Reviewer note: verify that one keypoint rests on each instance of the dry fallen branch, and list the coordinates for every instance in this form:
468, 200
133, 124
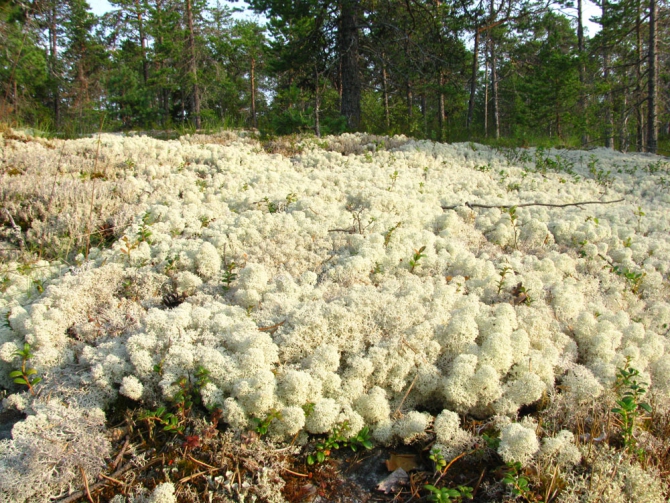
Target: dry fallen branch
272, 328
98, 485
522, 205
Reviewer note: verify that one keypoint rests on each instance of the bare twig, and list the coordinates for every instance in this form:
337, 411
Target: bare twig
16, 229
88, 491
197, 474
98, 485
351, 230
272, 328
111, 479
306, 475
522, 205
119, 456
202, 463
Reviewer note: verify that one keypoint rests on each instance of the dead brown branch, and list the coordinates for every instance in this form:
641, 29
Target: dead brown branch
522, 205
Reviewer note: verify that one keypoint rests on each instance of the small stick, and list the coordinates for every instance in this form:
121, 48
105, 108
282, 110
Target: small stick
406, 393
116, 481
446, 468
76, 495
273, 328
196, 475
202, 463
522, 205
88, 491
119, 456
351, 230
309, 476
481, 476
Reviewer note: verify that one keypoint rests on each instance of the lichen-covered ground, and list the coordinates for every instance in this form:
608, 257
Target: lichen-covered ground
181, 299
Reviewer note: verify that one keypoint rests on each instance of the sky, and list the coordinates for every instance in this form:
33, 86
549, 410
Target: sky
99, 7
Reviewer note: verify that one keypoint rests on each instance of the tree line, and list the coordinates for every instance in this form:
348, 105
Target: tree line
438, 69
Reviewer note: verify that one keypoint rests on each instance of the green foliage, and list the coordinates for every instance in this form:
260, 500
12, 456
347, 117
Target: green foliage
513, 217
394, 178
639, 214
448, 495
261, 425
170, 422
633, 278
501, 282
25, 375
416, 257
228, 275
183, 400
337, 439
602, 177
389, 234
436, 457
144, 233
519, 483
629, 405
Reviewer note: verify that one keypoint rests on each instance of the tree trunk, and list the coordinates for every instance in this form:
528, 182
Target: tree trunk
317, 99
609, 127
639, 114
424, 114
143, 42
652, 126
440, 112
193, 64
350, 104
387, 113
410, 101
494, 86
486, 91
53, 57
580, 49
473, 80
253, 93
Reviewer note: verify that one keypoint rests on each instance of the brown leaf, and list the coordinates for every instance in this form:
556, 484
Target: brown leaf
407, 462
394, 481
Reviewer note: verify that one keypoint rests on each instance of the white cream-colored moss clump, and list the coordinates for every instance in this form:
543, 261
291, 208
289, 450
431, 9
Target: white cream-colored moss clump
296, 292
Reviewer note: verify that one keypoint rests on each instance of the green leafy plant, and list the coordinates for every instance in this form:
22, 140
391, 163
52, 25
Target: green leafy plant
418, 255
261, 425
361, 439
518, 482
436, 457
394, 178
513, 217
448, 495
168, 420
629, 405
337, 439
602, 177
144, 233
272, 207
639, 214
4, 283
389, 234
503, 273
228, 275
25, 375
633, 278
291, 198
